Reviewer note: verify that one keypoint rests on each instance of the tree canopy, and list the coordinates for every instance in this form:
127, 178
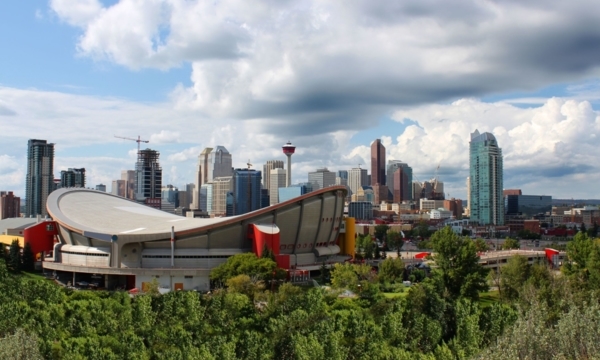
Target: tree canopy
458, 264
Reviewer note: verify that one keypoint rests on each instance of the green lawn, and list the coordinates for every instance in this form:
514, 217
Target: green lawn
395, 295
488, 298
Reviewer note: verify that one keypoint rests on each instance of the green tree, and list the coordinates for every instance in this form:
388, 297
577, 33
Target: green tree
365, 246
513, 276
380, 231
422, 230
510, 243
245, 264
15, 261
481, 245
28, 258
582, 228
267, 253
243, 284
391, 270
578, 251
394, 241
20, 346
458, 265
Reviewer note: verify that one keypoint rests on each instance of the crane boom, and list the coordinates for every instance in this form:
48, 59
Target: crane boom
138, 140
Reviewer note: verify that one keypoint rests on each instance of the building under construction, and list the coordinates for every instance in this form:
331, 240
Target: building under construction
431, 190
148, 178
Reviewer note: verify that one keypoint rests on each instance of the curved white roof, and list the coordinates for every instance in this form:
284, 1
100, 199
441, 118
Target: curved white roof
99, 212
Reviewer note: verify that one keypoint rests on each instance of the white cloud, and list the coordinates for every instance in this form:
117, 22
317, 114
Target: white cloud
165, 137
77, 13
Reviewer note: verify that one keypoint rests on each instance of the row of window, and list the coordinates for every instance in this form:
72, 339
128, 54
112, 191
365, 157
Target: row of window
84, 254
186, 256
305, 245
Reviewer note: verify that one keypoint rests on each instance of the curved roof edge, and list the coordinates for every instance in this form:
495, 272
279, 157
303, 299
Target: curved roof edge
54, 211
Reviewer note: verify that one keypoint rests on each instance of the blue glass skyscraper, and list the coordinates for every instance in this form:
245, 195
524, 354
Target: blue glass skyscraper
246, 190
486, 185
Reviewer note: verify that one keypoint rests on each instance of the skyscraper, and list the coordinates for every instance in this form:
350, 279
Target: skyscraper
486, 179
128, 176
221, 186
200, 177
278, 179
212, 163
40, 176
406, 180
246, 190
378, 171
270, 165
357, 177
72, 178
321, 178
148, 178
377, 163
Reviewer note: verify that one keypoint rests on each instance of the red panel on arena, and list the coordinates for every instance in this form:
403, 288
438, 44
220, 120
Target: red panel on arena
40, 236
264, 235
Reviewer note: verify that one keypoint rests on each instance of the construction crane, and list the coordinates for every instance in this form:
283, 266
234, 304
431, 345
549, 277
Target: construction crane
249, 201
138, 140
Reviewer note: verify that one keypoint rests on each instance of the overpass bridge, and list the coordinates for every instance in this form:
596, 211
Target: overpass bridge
489, 259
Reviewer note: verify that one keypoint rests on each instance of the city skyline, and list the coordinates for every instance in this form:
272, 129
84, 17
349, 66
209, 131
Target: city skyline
421, 92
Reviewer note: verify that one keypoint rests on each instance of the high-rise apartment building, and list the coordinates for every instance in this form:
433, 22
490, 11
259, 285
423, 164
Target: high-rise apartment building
72, 178
357, 178
10, 205
246, 190
486, 177
270, 165
278, 179
321, 178
40, 176
148, 178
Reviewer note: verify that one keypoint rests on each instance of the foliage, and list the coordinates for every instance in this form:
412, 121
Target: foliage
243, 284
528, 235
513, 276
458, 265
245, 264
481, 245
380, 231
365, 247
359, 278
394, 241
14, 257
422, 230
574, 336
391, 270
578, 251
20, 345
510, 243
28, 258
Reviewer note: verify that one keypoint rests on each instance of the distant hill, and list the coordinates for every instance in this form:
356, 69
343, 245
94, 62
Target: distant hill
576, 201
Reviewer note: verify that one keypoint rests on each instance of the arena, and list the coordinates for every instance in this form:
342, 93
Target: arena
112, 242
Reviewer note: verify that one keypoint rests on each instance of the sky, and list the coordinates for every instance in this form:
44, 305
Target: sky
329, 76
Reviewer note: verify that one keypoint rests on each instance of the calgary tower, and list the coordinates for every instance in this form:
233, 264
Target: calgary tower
288, 150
